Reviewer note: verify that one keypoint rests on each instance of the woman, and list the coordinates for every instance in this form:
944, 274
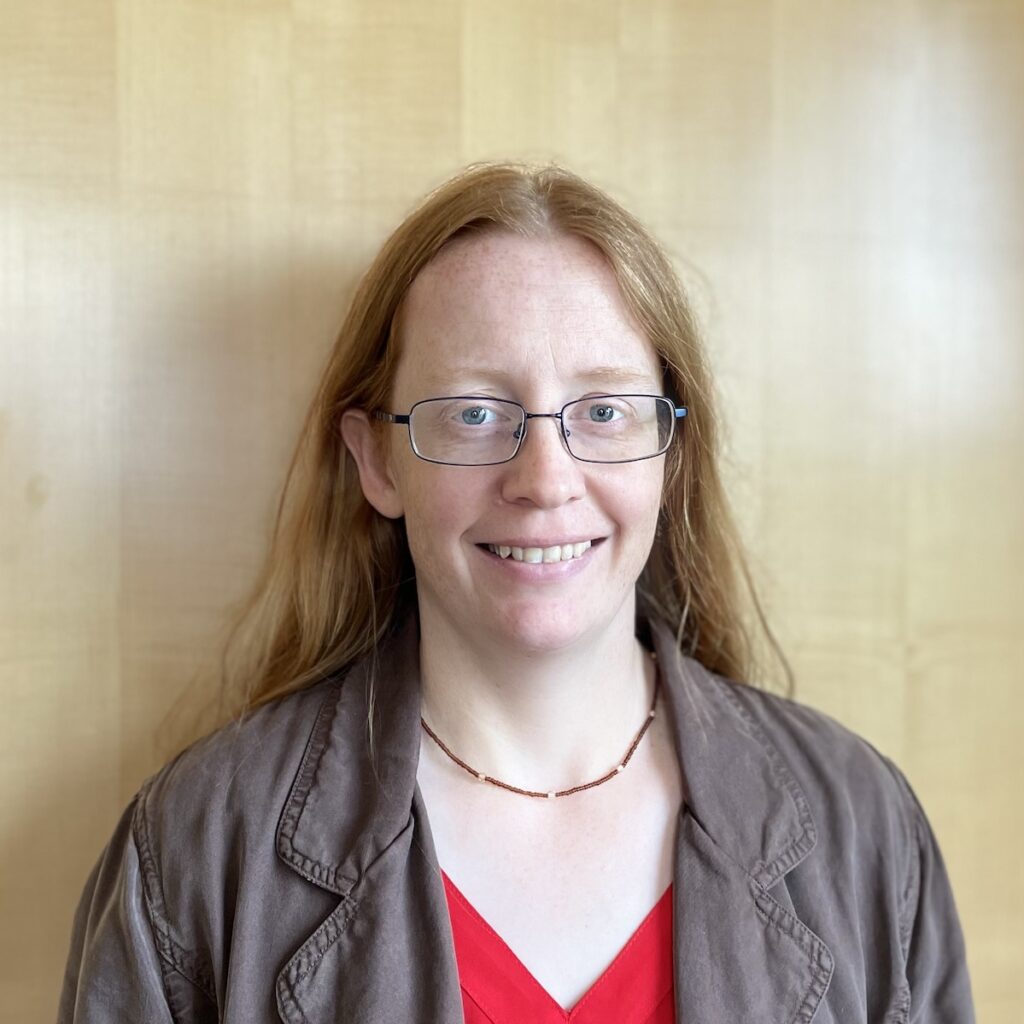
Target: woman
495, 766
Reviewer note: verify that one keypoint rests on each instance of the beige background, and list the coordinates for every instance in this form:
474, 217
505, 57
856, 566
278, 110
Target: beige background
187, 191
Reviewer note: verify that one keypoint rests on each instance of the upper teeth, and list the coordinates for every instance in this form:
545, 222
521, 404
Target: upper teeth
556, 553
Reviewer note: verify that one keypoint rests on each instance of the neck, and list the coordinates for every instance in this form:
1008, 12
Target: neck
539, 721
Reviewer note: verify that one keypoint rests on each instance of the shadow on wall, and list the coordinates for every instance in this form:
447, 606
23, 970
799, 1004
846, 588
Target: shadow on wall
211, 407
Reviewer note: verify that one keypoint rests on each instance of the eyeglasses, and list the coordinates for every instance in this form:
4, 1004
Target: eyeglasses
474, 430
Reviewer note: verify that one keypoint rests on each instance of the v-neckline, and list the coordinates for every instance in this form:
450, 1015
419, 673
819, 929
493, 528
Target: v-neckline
639, 977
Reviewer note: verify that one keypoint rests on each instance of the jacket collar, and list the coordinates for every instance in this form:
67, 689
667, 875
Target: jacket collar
344, 809
736, 783
745, 823
740, 950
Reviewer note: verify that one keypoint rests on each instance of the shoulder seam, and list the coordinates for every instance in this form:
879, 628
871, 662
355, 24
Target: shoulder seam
172, 953
912, 836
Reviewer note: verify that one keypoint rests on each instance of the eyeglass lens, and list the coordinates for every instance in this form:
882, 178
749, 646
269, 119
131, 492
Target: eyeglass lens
480, 431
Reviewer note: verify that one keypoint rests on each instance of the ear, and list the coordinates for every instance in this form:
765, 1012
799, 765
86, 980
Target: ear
375, 476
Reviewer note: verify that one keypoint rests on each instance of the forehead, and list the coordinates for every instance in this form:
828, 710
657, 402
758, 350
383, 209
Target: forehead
503, 306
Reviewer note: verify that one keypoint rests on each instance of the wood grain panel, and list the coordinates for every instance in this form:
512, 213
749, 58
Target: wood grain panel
188, 193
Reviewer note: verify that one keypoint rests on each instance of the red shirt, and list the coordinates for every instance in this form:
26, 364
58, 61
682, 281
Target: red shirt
636, 987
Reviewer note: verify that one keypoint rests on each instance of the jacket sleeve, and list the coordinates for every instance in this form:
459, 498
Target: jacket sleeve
936, 960
114, 971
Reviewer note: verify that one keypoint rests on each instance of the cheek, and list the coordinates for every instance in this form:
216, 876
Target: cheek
439, 509
637, 502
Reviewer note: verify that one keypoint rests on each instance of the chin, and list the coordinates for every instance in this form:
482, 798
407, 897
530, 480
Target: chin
540, 629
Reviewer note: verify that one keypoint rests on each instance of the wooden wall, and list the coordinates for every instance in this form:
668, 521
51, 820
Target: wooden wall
188, 191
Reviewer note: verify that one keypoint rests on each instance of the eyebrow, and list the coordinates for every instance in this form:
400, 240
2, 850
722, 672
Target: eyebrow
619, 376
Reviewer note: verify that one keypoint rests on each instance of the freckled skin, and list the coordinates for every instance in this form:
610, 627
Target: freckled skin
543, 312
532, 676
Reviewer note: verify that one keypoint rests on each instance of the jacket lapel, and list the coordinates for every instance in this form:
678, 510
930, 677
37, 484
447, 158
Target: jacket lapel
740, 953
360, 830
386, 954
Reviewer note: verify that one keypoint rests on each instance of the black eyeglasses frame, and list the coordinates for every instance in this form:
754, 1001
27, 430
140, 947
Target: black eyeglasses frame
679, 412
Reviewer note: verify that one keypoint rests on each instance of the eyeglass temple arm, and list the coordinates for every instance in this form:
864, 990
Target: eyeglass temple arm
391, 417
680, 411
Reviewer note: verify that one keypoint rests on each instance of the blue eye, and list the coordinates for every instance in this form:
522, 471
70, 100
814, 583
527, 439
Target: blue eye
476, 415
603, 413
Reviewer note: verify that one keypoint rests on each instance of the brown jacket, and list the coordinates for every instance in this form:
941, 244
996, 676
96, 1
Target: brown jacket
267, 874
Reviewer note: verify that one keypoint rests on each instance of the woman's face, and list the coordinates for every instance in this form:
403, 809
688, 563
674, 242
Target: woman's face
542, 322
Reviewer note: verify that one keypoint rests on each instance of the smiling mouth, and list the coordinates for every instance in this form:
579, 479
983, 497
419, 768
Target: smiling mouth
536, 556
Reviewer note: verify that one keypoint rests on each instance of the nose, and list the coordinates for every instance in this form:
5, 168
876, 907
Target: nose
543, 473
